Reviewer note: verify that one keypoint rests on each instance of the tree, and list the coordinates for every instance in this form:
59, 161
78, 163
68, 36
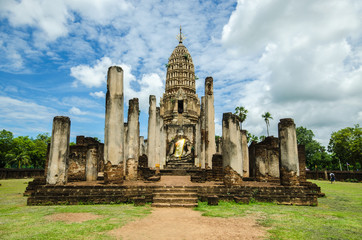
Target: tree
23, 152
20, 155
6, 144
38, 155
266, 117
345, 146
251, 138
315, 153
241, 112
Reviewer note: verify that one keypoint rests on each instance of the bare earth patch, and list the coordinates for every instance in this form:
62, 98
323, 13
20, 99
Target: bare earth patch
181, 223
72, 217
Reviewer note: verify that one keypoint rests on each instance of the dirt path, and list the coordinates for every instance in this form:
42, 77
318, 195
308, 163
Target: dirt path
181, 223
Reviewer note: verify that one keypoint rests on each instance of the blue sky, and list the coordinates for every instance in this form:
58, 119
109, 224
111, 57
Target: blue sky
298, 59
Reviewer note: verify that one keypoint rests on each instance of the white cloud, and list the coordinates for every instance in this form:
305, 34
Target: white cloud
14, 110
99, 94
96, 76
309, 66
91, 76
76, 111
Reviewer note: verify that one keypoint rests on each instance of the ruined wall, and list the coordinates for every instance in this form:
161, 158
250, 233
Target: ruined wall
78, 156
267, 159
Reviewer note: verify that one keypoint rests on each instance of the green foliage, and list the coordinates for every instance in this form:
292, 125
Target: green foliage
346, 146
167, 65
23, 152
251, 138
316, 154
6, 144
267, 116
241, 112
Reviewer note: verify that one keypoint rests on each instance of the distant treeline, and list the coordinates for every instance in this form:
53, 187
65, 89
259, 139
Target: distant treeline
23, 152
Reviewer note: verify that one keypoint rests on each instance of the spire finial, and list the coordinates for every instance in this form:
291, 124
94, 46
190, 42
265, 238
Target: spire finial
180, 37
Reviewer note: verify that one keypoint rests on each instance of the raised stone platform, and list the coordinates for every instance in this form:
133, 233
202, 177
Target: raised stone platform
99, 193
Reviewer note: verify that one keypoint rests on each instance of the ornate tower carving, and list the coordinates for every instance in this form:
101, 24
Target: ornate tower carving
180, 104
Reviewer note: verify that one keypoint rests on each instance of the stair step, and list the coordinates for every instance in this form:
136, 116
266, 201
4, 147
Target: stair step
175, 200
175, 195
187, 205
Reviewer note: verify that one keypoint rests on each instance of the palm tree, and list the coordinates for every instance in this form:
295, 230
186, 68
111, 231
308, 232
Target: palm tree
241, 112
266, 117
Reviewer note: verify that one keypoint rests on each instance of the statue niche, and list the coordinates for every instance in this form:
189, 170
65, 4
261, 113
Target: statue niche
180, 152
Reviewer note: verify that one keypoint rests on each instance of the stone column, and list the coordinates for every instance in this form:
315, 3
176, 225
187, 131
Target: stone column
151, 140
91, 172
125, 146
288, 156
132, 139
59, 151
231, 143
210, 145
162, 144
245, 153
114, 130
142, 147
302, 163
158, 140
203, 134
197, 144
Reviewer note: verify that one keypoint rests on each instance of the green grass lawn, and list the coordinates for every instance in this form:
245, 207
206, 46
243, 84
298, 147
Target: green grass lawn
18, 221
337, 216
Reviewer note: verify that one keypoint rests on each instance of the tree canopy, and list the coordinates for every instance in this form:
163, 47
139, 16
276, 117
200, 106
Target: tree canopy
241, 112
346, 147
316, 155
22, 152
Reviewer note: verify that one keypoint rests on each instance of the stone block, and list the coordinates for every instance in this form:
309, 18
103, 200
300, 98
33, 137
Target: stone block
231, 177
213, 200
113, 174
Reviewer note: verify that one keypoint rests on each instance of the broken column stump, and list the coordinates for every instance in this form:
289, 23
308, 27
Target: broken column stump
59, 151
113, 174
288, 157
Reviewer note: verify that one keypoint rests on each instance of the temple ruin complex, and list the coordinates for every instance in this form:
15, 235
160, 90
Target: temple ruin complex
180, 154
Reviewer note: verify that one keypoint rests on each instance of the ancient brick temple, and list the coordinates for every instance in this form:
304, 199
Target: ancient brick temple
179, 156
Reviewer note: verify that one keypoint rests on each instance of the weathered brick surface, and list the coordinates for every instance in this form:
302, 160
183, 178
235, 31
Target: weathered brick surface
113, 174
231, 177
302, 163
78, 155
217, 167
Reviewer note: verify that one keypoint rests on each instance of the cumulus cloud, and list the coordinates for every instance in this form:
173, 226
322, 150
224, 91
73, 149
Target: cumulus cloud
91, 76
76, 111
99, 94
96, 76
303, 52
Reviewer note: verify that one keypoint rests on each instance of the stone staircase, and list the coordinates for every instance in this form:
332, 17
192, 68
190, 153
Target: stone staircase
175, 196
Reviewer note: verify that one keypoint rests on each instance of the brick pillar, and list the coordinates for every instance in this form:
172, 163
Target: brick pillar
203, 134
91, 172
114, 129
59, 151
245, 152
210, 145
302, 163
288, 152
151, 140
132, 139
231, 147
